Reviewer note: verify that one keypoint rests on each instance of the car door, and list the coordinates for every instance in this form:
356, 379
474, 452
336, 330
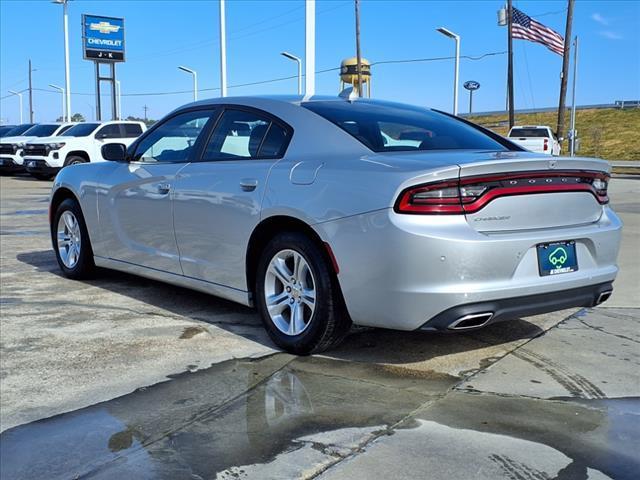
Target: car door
137, 206
217, 199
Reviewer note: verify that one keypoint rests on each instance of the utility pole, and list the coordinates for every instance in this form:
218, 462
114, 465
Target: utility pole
565, 72
358, 53
145, 108
30, 95
510, 65
572, 141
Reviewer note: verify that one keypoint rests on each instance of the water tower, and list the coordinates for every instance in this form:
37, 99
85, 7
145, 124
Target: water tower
349, 74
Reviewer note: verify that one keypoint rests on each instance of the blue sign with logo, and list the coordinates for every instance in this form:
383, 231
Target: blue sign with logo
103, 38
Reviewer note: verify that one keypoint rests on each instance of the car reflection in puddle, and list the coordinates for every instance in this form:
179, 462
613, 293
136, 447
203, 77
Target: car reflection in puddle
239, 412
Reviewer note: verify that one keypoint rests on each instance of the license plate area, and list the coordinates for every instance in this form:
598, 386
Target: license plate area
557, 257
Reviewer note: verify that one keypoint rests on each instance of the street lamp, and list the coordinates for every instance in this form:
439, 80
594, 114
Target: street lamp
450, 34
295, 59
61, 90
195, 80
67, 78
119, 99
12, 92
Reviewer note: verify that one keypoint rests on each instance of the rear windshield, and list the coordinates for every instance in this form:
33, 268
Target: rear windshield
386, 126
81, 130
19, 130
44, 130
529, 132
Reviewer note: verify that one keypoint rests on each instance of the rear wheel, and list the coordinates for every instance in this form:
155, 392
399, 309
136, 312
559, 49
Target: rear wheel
298, 296
71, 241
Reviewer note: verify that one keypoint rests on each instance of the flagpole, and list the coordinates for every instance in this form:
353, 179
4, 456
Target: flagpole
565, 72
510, 64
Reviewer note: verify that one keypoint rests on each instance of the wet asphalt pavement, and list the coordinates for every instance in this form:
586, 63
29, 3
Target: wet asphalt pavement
125, 378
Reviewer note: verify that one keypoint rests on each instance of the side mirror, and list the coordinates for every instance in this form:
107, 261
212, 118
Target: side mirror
114, 152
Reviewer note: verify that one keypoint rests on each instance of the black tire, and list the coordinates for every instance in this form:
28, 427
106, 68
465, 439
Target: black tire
84, 267
41, 176
329, 323
73, 160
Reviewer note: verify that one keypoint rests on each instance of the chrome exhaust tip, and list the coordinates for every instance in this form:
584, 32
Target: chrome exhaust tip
475, 320
603, 297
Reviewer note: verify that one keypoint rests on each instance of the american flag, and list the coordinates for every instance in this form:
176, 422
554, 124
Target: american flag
524, 27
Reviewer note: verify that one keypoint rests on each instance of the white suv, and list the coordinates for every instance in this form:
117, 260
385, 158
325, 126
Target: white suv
44, 157
11, 147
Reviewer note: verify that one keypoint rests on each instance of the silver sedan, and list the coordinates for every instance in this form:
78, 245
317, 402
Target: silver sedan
325, 212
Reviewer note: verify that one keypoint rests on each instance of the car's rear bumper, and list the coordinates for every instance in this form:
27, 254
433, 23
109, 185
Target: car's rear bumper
480, 314
403, 271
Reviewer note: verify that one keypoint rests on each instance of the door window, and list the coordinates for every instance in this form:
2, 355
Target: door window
173, 141
109, 131
246, 135
132, 130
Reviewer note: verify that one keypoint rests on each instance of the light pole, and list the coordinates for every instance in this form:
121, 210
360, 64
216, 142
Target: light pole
67, 78
119, 99
195, 80
12, 92
450, 34
61, 90
310, 48
223, 51
299, 61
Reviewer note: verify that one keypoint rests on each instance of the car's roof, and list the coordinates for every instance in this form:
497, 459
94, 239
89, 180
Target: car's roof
289, 99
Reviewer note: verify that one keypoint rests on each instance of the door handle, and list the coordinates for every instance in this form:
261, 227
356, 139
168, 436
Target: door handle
163, 188
248, 184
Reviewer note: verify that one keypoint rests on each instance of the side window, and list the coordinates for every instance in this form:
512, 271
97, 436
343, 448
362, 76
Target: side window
275, 142
109, 131
173, 140
245, 135
132, 130
64, 129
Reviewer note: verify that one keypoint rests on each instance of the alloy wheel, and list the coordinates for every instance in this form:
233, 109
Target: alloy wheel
290, 292
69, 239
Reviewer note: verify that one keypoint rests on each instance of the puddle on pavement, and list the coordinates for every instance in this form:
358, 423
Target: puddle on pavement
597, 434
234, 413
23, 233
28, 212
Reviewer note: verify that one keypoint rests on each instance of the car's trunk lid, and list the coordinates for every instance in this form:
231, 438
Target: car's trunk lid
532, 192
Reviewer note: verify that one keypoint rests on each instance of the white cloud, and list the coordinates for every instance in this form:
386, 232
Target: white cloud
610, 35
596, 17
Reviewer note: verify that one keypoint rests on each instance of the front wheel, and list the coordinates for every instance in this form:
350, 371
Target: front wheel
298, 296
71, 241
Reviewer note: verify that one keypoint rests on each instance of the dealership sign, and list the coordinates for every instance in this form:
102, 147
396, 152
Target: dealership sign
103, 38
471, 85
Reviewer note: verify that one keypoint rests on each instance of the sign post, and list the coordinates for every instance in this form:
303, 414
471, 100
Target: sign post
103, 43
471, 85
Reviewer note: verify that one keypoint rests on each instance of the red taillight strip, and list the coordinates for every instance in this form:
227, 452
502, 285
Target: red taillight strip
450, 205
529, 190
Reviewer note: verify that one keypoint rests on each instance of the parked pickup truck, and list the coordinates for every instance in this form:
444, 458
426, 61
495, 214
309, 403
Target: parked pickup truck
11, 147
536, 138
44, 157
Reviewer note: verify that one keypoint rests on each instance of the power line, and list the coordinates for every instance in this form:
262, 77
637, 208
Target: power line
280, 79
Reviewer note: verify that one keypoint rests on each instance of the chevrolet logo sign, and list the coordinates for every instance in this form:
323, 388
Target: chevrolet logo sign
104, 27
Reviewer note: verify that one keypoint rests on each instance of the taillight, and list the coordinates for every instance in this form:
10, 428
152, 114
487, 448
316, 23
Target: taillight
546, 144
470, 194
442, 197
